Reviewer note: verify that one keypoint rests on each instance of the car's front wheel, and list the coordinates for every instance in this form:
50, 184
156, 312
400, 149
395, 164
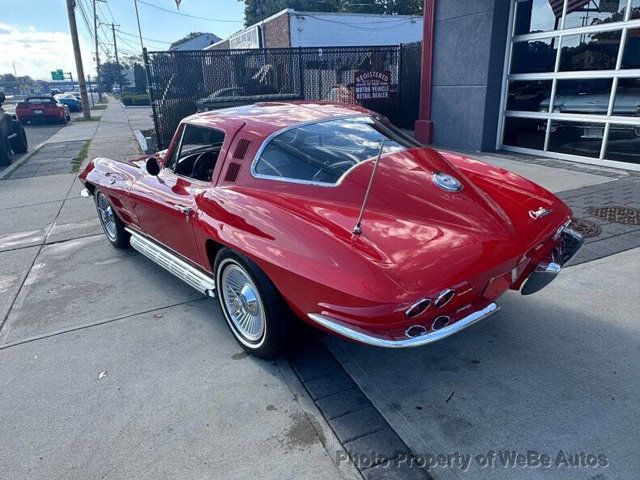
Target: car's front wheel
252, 306
111, 224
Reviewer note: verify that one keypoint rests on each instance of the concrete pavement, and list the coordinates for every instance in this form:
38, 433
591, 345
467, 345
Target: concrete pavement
556, 371
113, 368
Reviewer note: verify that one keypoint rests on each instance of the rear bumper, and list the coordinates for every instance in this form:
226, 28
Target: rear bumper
361, 336
547, 270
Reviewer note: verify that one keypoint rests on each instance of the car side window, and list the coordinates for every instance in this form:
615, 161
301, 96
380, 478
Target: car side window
198, 152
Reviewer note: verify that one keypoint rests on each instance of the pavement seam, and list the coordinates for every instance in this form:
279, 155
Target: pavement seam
95, 324
33, 204
55, 242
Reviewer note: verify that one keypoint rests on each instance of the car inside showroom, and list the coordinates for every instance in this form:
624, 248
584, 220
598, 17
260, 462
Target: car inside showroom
572, 80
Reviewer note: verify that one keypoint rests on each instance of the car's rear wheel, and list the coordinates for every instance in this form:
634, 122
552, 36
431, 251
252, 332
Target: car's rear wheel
253, 308
19, 143
111, 224
6, 155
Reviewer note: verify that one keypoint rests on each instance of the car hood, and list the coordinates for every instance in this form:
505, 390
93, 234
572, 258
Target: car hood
420, 235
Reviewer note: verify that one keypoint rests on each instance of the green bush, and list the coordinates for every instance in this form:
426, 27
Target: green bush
134, 99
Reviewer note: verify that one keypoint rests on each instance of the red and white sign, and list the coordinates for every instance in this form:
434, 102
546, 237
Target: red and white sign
372, 85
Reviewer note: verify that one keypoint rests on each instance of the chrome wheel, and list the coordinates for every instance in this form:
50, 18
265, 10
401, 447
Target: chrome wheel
242, 303
107, 218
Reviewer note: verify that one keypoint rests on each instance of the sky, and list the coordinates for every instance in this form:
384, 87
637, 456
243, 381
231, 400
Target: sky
34, 34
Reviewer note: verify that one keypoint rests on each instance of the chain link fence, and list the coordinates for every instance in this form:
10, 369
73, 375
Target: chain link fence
183, 82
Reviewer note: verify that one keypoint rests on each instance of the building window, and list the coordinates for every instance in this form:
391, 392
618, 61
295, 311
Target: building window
572, 83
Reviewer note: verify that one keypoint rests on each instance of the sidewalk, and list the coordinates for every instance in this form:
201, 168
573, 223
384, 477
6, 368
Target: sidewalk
112, 368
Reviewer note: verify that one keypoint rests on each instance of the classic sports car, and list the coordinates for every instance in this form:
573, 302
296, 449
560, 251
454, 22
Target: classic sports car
329, 212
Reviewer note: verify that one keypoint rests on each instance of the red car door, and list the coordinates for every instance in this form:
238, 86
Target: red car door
165, 205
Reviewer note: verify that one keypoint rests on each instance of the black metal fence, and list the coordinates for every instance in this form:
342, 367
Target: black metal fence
181, 79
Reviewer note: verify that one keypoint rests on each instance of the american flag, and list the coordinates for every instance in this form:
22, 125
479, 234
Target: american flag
572, 6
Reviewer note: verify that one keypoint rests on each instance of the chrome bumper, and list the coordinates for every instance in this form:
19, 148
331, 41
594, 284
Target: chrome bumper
546, 271
340, 328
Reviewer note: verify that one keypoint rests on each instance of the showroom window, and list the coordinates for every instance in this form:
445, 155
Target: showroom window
572, 80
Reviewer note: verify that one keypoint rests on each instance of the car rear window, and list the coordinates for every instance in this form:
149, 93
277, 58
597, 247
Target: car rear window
39, 100
323, 152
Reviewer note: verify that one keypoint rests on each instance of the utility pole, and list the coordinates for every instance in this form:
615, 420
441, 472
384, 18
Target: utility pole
93, 100
115, 48
95, 31
71, 4
135, 3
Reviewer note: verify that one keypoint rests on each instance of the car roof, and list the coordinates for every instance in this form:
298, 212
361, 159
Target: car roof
268, 117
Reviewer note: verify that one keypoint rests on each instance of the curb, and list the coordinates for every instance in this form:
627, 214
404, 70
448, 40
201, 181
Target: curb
142, 141
15, 165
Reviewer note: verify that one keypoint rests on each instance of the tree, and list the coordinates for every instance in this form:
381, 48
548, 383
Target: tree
140, 77
186, 38
109, 75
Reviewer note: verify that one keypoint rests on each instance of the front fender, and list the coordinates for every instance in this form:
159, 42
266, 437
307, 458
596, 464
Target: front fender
115, 180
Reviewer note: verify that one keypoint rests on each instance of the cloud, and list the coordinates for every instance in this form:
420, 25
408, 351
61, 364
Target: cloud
36, 53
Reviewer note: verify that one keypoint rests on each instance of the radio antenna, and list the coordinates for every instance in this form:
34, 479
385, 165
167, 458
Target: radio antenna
357, 230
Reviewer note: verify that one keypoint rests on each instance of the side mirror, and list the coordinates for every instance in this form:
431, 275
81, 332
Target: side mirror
2, 97
153, 166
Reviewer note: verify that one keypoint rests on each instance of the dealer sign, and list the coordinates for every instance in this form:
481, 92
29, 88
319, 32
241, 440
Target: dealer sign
372, 85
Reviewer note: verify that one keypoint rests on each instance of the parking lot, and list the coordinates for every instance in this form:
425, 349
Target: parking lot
112, 368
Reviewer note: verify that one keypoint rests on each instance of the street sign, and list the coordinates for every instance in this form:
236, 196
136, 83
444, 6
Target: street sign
57, 75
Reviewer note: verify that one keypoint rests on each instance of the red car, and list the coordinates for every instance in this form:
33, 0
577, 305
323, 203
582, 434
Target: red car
329, 214
42, 107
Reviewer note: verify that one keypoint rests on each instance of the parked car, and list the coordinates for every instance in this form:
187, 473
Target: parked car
626, 104
330, 214
42, 107
70, 101
76, 94
13, 138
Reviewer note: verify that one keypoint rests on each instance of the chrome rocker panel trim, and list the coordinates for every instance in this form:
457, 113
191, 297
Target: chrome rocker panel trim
547, 271
170, 262
338, 327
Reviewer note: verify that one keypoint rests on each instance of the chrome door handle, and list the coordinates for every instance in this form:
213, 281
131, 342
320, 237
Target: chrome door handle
187, 212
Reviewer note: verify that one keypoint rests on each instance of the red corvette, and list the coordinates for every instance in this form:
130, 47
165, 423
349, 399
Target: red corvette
42, 107
328, 213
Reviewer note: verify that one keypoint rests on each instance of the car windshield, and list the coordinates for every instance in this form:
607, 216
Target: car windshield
323, 152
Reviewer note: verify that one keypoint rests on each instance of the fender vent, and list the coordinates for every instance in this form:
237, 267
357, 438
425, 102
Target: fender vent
241, 149
232, 172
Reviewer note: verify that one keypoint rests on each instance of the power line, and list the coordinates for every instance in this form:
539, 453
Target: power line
396, 23
145, 38
182, 14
